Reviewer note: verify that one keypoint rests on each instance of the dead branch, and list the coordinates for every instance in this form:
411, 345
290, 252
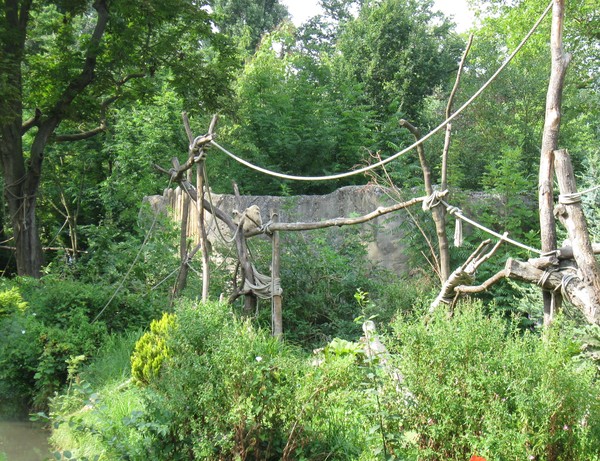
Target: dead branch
464, 275
339, 222
458, 76
471, 289
560, 62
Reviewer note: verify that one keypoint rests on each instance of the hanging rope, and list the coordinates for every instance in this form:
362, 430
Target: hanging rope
409, 148
135, 260
263, 287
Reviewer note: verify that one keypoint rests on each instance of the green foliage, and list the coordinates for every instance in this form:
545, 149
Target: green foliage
340, 348
295, 113
112, 362
37, 343
589, 336
94, 417
151, 350
472, 385
231, 389
247, 21
11, 302
320, 277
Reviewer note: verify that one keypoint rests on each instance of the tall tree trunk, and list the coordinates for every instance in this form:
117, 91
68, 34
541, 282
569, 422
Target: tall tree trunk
22, 177
560, 61
20, 180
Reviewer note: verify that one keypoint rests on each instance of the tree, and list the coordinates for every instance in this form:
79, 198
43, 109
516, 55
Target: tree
64, 63
401, 51
249, 20
295, 113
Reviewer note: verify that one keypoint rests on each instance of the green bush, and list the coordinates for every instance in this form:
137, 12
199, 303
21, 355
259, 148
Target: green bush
472, 385
151, 350
11, 302
58, 322
230, 391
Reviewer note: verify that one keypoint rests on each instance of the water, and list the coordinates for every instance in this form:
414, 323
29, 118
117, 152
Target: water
23, 441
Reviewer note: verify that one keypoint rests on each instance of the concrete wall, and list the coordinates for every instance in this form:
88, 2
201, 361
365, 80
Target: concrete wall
383, 234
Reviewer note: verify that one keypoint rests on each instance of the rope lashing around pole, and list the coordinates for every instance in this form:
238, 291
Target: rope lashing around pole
545, 276
563, 286
264, 287
572, 199
440, 127
434, 200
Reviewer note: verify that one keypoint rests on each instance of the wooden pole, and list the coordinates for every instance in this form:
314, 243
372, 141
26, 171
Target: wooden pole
277, 314
570, 213
560, 61
202, 228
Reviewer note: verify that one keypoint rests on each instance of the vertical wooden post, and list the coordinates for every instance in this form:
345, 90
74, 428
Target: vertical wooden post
202, 227
183, 250
277, 314
570, 212
560, 61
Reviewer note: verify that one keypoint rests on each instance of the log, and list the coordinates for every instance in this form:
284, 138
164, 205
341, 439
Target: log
339, 222
579, 293
560, 62
571, 213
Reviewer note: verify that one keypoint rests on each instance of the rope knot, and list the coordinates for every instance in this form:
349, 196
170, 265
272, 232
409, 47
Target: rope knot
454, 210
434, 200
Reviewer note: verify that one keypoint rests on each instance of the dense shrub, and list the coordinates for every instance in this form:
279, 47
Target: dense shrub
37, 341
320, 274
475, 386
230, 391
151, 350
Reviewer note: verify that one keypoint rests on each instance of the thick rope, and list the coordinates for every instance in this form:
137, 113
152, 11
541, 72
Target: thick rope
572, 199
264, 286
409, 148
457, 213
563, 286
545, 276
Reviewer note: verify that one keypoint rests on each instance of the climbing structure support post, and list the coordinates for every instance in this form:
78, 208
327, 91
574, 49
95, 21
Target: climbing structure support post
277, 313
560, 61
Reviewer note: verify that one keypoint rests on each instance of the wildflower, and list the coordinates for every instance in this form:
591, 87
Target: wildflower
259, 359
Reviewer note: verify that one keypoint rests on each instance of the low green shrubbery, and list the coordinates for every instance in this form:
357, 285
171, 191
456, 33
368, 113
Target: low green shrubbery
226, 391
46, 322
449, 389
474, 385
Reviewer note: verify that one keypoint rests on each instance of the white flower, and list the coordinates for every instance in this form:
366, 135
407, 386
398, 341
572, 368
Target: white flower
259, 359
22, 332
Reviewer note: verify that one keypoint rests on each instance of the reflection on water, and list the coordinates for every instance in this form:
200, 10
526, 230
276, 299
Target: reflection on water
23, 441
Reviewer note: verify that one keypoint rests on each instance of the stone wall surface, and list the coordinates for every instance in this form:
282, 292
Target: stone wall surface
383, 235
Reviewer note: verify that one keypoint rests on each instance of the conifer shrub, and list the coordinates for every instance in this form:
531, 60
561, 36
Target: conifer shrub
151, 350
